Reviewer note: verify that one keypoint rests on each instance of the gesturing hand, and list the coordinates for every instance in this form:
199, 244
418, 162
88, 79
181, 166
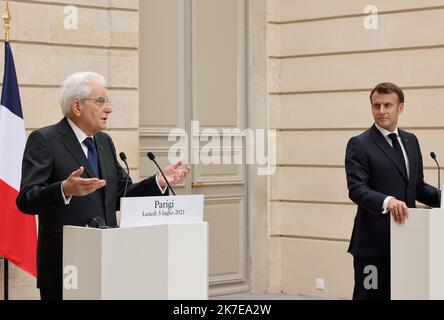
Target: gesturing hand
74, 185
174, 174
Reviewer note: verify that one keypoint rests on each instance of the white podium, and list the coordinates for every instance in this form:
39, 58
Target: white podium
417, 256
151, 262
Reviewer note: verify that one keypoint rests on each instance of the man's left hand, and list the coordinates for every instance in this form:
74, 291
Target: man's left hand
174, 174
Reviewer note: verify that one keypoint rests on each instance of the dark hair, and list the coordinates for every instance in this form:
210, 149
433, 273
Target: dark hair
387, 88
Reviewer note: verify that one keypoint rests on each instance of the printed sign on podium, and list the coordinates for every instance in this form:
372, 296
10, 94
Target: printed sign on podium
148, 211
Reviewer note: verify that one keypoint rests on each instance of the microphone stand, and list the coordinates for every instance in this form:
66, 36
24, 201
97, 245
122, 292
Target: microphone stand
153, 158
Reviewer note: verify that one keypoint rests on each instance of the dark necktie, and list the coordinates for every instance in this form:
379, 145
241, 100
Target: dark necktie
92, 155
398, 150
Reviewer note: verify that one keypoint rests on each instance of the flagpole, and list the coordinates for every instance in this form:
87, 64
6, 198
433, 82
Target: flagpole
6, 281
7, 21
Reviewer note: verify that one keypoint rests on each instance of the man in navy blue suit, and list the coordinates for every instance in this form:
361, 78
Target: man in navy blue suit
384, 176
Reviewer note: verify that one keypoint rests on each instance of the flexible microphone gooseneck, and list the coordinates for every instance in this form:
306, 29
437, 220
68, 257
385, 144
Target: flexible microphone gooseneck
153, 158
433, 155
122, 156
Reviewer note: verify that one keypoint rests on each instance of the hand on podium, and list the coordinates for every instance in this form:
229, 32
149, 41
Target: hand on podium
399, 210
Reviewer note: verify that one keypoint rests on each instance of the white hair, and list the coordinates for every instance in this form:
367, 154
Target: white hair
78, 86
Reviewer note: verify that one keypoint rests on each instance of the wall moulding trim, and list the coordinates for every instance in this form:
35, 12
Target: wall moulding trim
222, 179
219, 150
70, 45
220, 132
159, 150
233, 277
225, 279
356, 15
220, 182
157, 131
164, 131
224, 198
84, 6
219, 290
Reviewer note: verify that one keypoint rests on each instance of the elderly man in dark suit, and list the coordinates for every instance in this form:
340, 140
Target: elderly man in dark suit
71, 174
384, 176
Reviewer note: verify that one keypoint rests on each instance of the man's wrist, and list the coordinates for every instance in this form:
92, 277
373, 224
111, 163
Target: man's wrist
161, 188
66, 198
385, 204
65, 189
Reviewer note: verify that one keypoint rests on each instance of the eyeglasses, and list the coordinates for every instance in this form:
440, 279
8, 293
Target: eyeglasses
101, 101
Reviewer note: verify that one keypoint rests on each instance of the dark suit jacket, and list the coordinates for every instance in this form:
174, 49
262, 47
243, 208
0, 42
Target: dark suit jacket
50, 156
374, 172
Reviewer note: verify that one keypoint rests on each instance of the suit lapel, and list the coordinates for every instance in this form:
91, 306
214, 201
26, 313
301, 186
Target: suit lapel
102, 161
383, 144
72, 145
101, 155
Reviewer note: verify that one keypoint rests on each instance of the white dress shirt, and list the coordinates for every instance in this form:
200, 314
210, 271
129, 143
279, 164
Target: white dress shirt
386, 133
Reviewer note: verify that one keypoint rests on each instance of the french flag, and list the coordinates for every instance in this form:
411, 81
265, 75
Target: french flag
18, 234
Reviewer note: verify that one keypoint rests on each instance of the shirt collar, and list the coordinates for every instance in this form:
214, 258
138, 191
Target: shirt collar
385, 132
80, 135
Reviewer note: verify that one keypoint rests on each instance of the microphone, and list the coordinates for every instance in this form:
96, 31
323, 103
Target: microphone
122, 156
433, 155
153, 159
